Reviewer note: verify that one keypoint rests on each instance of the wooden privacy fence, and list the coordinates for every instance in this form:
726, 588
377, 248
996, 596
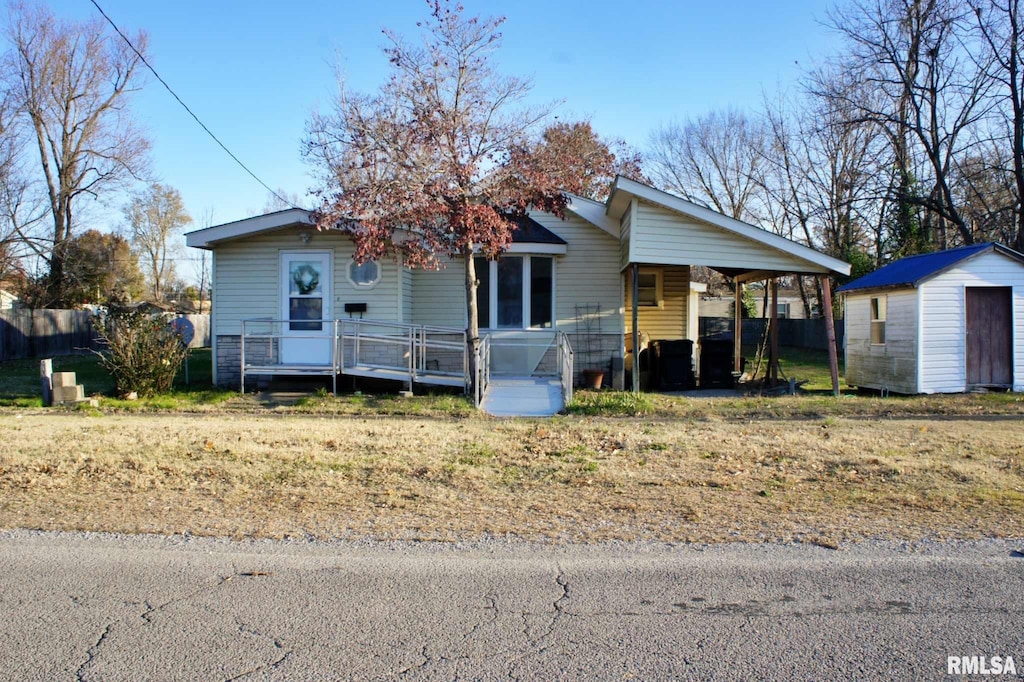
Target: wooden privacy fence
798, 333
45, 333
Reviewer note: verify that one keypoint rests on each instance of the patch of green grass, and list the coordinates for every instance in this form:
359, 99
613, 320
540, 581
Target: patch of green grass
475, 454
440, 404
803, 365
610, 403
20, 385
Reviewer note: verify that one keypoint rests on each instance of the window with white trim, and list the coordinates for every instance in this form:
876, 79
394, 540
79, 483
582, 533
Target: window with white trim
878, 306
515, 292
783, 310
363, 275
649, 290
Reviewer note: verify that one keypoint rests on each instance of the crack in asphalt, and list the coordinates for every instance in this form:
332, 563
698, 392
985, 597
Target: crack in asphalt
91, 653
418, 666
559, 609
272, 665
556, 613
150, 610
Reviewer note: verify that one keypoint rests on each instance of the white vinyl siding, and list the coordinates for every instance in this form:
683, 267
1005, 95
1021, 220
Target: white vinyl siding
407, 293
624, 242
891, 366
246, 282
943, 320
439, 296
588, 273
670, 319
660, 235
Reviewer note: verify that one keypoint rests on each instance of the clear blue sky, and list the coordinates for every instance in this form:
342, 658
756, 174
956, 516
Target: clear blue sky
253, 71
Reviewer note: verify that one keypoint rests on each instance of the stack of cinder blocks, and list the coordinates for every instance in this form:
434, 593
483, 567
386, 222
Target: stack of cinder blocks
65, 390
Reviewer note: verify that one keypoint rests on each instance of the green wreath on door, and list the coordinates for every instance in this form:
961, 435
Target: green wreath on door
306, 278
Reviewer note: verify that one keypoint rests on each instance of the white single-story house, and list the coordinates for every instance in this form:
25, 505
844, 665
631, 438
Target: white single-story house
8, 300
942, 322
280, 287
790, 306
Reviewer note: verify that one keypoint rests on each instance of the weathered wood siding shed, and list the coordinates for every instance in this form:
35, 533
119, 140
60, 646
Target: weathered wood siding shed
926, 336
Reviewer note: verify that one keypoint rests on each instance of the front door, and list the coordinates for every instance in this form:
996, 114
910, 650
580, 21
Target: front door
306, 308
989, 336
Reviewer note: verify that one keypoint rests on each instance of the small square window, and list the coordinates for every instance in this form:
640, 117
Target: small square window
649, 289
363, 274
878, 312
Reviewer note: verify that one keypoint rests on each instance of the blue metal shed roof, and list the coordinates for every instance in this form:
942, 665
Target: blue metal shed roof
909, 271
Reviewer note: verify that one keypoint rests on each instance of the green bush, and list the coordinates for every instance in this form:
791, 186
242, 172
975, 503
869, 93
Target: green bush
143, 352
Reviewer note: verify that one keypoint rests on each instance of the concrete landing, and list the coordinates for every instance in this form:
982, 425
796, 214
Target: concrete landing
523, 397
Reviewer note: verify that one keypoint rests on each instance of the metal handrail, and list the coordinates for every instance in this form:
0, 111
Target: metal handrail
270, 334
416, 340
565, 357
483, 369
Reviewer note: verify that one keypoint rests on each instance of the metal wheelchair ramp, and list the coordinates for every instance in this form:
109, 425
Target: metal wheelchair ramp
523, 397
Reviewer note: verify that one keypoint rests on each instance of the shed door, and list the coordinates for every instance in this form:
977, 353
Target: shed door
989, 337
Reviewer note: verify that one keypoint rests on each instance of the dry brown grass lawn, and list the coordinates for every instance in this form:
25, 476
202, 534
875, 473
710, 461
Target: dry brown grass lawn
572, 478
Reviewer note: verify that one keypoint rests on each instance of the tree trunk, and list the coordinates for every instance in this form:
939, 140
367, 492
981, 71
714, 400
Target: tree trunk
473, 322
803, 296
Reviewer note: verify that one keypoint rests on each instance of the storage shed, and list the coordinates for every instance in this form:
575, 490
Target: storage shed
943, 322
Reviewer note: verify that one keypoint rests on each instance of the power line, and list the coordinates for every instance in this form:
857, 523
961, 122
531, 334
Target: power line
185, 106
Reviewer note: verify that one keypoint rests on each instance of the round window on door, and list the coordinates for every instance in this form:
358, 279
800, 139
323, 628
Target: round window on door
364, 275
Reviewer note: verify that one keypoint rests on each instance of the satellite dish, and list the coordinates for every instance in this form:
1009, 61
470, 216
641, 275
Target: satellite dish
184, 329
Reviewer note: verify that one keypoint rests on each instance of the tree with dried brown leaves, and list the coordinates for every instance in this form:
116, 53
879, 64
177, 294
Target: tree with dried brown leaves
438, 161
71, 81
583, 162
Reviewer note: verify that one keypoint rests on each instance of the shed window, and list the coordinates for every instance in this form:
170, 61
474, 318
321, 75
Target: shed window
878, 321
649, 289
783, 309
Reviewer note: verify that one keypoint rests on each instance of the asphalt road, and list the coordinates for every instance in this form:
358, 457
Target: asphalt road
96, 607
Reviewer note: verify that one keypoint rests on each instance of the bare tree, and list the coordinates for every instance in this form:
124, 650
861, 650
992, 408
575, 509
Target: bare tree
926, 91
71, 81
280, 200
1001, 27
205, 220
827, 176
20, 213
153, 218
438, 162
715, 160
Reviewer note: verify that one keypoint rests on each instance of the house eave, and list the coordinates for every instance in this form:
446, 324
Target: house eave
593, 212
624, 189
208, 238
882, 289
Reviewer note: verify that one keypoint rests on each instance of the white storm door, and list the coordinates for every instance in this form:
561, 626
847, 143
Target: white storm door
306, 306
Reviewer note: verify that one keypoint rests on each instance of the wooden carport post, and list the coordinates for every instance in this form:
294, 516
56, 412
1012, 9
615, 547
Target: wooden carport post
737, 329
830, 331
773, 334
